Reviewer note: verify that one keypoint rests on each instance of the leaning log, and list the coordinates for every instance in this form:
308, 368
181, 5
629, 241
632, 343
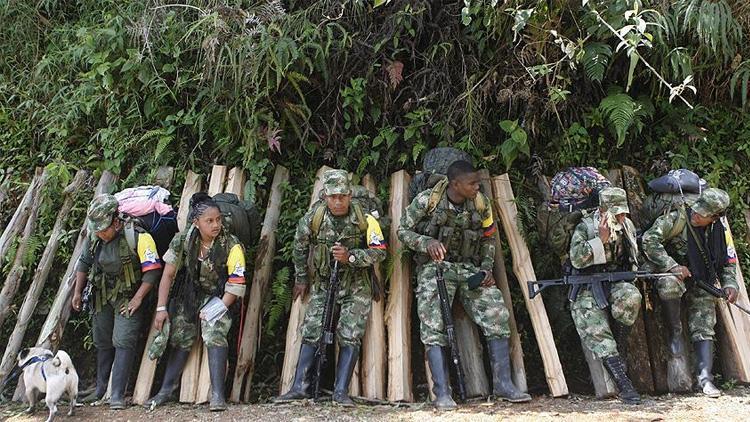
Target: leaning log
18, 220
13, 280
40, 276
398, 308
505, 203
297, 313
250, 336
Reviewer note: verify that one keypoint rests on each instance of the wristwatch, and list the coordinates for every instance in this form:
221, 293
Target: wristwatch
352, 258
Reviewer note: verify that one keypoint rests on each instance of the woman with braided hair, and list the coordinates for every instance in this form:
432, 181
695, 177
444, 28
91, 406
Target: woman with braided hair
207, 265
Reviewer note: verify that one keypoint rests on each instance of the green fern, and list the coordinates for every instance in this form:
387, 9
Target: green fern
741, 76
713, 24
281, 299
619, 111
595, 60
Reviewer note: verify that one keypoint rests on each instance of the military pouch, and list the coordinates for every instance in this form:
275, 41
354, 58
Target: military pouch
321, 261
469, 244
445, 235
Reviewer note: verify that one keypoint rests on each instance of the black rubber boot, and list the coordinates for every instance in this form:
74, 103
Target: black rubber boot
120, 373
440, 380
104, 359
217, 369
616, 368
175, 365
674, 318
704, 359
502, 384
301, 385
621, 333
348, 356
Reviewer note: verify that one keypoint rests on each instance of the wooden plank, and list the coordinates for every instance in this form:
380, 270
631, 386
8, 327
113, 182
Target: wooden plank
147, 369
604, 386
17, 222
501, 281
40, 276
522, 267
215, 185
398, 308
13, 280
297, 313
472, 357
372, 362
250, 336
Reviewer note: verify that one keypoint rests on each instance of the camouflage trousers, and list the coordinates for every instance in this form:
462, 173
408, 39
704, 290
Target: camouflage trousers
355, 301
592, 323
112, 329
484, 305
184, 329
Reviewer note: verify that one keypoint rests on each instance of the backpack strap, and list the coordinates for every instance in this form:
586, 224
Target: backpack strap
317, 219
679, 225
361, 219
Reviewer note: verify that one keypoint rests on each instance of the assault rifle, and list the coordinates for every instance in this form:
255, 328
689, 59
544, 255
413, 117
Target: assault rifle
450, 330
594, 281
326, 336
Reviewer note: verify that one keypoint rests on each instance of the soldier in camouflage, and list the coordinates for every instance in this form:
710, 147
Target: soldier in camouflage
451, 225
121, 276
677, 242
357, 245
208, 263
606, 241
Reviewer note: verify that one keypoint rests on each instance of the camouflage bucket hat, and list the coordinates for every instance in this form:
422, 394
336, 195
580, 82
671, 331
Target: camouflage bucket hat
615, 200
159, 345
712, 202
336, 182
101, 210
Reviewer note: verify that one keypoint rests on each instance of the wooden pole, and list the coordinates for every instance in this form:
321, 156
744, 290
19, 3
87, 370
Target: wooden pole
501, 280
522, 267
373, 344
259, 288
13, 280
18, 220
398, 309
147, 369
297, 313
40, 276
198, 359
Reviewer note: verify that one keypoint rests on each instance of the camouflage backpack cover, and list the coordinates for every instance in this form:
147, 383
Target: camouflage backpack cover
575, 193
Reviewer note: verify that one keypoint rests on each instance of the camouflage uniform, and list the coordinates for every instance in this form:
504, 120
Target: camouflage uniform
589, 254
210, 276
466, 233
665, 246
355, 292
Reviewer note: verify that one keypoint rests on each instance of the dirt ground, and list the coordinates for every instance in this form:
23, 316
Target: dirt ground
734, 405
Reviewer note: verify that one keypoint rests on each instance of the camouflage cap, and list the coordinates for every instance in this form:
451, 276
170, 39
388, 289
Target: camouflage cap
615, 200
336, 182
101, 210
159, 345
712, 202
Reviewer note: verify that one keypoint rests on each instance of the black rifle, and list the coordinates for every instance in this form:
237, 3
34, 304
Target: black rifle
326, 336
594, 281
450, 331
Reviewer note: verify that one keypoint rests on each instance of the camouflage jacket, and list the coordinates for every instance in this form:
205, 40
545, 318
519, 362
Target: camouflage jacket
313, 252
479, 249
587, 249
667, 250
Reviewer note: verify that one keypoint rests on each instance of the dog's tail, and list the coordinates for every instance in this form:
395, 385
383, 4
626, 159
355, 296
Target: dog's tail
62, 360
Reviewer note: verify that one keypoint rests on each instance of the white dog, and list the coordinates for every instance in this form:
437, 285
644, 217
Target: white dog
52, 374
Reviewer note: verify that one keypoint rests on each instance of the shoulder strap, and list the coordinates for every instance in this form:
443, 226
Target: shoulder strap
130, 234
317, 218
436, 194
479, 203
679, 224
361, 219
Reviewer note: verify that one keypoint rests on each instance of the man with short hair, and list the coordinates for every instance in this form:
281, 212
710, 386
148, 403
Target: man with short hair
451, 226
693, 244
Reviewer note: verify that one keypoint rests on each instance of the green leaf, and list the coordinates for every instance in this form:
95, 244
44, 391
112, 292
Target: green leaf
595, 60
509, 125
633, 62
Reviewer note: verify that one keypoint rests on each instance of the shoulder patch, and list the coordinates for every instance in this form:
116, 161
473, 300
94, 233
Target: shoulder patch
236, 265
147, 253
375, 239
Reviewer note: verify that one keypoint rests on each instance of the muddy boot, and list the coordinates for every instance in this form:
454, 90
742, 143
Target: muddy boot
678, 367
616, 368
348, 356
440, 380
217, 369
120, 372
175, 365
301, 385
502, 384
104, 359
704, 359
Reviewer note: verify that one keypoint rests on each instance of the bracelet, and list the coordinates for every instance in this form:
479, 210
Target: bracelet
161, 308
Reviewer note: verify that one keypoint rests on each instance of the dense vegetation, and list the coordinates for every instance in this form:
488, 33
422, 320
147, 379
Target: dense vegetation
527, 87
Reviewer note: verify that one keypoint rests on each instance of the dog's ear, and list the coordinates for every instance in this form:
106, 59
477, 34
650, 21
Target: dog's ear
56, 361
23, 354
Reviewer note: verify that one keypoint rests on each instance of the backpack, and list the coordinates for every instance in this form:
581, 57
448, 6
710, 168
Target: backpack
434, 176
363, 202
575, 193
147, 209
678, 181
239, 218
